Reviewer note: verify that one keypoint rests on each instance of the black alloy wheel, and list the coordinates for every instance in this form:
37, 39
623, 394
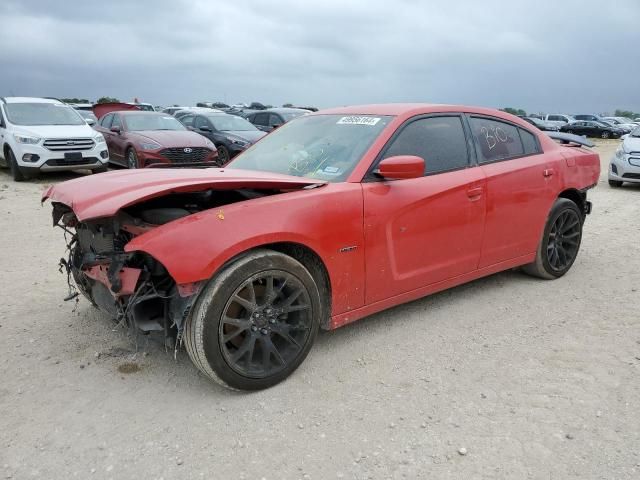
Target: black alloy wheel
564, 240
265, 324
605, 134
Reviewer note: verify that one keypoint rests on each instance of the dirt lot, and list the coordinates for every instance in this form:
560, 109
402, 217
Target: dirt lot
535, 379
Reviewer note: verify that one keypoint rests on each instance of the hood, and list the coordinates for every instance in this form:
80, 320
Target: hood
170, 138
631, 144
101, 109
97, 196
248, 135
57, 131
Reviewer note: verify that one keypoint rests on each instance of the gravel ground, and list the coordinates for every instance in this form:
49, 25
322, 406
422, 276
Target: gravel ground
506, 377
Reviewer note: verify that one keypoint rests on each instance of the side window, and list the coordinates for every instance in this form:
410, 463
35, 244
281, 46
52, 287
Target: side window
116, 121
529, 142
440, 141
106, 120
187, 120
275, 119
497, 140
261, 119
201, 122
1, 119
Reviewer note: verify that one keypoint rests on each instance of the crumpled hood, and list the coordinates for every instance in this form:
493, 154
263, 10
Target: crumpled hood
171, 138
102, 195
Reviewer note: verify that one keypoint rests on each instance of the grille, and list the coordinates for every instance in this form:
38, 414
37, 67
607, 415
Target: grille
635, 176
178, 155
98, 242
61, 162
68, 144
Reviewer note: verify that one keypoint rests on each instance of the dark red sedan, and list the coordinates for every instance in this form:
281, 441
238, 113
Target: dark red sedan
332, 217
138, 139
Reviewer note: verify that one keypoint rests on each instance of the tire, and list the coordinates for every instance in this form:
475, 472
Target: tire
615, 183
605, 135
570, 131
99, 170
14, 168
223, 155
554, 259
132, 158
229, 326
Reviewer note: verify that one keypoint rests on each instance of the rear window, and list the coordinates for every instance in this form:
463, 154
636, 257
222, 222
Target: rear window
496, 140
529, 142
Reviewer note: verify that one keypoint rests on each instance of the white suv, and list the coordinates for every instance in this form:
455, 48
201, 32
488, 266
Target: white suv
43, 135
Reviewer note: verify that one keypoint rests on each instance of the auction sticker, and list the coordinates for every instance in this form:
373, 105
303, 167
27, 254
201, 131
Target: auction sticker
358, 121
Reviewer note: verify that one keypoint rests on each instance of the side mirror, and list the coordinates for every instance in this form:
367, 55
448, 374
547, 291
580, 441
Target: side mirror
91, 122
116, 129
401, 167
204, 128
276, 125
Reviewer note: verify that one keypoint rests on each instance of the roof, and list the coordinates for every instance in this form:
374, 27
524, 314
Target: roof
408, 109
284, 110
30, 100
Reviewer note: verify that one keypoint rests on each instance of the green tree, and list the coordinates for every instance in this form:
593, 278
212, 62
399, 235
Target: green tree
626, 113
287, 105
107, 100
514, 111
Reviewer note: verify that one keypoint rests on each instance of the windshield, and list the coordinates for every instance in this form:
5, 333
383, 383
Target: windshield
324, 147
87, 115
138, 122
42, 114
636, 132
225, 123
145, 107
291, 115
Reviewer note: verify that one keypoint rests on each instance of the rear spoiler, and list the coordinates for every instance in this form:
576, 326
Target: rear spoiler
567, 138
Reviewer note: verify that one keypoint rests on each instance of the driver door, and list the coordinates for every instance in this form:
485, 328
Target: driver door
424, 230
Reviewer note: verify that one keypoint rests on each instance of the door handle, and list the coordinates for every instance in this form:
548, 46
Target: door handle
547, 172
474, 193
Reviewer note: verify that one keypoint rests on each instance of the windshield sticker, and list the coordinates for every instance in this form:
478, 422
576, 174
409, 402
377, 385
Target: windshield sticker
358, 121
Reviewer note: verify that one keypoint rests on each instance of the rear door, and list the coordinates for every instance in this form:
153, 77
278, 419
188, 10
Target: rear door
424, 230
522, 184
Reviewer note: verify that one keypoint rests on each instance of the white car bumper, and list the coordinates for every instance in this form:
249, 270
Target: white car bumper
62, 154
625, 168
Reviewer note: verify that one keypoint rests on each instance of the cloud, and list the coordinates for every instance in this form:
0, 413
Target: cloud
542, 56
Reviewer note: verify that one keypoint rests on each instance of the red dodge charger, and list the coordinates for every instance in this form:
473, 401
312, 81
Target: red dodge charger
332, 217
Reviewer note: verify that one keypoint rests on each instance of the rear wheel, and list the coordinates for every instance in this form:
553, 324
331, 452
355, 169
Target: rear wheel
560, 241
605, 135
255, 321
570, 131
132, 158
615, 183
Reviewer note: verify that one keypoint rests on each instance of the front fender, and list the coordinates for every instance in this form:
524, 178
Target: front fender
327, 220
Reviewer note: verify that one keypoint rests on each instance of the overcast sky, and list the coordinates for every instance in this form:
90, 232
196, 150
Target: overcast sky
543, 56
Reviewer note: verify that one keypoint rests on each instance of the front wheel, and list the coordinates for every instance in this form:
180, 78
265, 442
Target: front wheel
132, 158
223, 155
255, 321
14, 168
605, 135
615, 183
560, 241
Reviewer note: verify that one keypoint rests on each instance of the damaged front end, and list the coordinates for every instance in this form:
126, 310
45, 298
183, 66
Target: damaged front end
132, 287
